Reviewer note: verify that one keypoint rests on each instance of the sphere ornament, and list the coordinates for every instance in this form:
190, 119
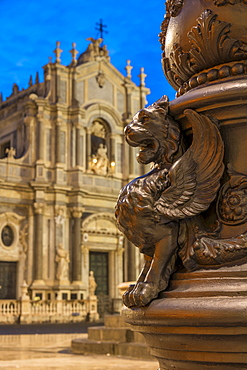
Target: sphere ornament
203, 37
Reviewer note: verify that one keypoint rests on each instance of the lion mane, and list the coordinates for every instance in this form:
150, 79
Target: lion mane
155, 132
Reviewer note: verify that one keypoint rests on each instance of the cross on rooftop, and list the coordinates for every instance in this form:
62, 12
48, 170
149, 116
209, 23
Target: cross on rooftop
100, 28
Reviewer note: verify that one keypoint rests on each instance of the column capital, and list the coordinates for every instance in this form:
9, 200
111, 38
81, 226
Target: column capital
76, 212
39, 208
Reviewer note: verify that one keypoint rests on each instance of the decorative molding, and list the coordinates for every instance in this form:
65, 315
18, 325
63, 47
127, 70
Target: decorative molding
232, 201
97, 216
211, 46
173, 7
12, 220
211, 252
217, 73
39, 208
11, 217
228, 2
23, 237
77, 212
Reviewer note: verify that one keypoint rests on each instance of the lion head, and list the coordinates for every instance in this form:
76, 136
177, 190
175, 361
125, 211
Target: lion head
155, 132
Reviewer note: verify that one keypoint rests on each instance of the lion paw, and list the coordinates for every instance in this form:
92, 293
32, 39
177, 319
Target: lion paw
140, 294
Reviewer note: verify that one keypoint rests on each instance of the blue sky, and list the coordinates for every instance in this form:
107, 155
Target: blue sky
29, 31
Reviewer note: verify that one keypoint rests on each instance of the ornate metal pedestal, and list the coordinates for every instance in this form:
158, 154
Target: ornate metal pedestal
190, 301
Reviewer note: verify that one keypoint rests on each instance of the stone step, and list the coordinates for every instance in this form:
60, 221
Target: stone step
102, 333
110, 334
133, 350
115, 321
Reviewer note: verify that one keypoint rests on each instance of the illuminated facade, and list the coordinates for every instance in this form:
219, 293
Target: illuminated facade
63, 161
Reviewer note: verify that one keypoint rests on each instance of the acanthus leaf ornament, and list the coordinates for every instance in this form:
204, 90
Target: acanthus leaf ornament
211, 45
181, 185
229, 2
208, 252
173, 6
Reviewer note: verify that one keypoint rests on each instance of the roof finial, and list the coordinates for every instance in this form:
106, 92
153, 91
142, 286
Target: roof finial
15, 89
128, 69
58, 52
74, 53
30, 82
142, 77
1, 97
37, 78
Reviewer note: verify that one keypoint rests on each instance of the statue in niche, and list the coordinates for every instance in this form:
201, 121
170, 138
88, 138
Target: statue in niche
100, 161
62, 259
92, 285
152, 210
11, 152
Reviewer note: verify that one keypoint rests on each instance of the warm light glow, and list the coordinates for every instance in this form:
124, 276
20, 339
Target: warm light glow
95, 160
113, 164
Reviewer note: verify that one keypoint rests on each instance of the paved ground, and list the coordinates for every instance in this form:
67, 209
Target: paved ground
47, 328
52, 351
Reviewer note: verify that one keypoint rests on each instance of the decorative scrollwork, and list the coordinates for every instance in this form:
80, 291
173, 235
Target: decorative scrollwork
211, 45
173, 6
230, 2
210, 252
232, 203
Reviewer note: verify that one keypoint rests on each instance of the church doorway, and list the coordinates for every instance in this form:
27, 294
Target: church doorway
98, 263
8, 273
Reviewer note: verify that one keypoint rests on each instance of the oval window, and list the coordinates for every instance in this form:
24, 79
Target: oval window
7, 236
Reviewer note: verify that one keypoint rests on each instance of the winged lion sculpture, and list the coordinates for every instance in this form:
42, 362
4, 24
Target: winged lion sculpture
182, 184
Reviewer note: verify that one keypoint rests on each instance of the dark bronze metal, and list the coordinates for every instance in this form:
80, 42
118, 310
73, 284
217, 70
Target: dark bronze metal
188, 215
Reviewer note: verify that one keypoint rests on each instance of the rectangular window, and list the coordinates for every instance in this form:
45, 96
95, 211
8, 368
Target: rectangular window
64, 296
8, 276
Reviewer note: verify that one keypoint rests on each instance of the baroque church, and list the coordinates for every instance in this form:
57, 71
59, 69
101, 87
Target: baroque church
63, 160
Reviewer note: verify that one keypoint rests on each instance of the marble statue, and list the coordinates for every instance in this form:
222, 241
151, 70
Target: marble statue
92, 283
62, 259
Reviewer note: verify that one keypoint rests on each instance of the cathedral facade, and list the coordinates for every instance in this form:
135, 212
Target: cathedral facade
63, 160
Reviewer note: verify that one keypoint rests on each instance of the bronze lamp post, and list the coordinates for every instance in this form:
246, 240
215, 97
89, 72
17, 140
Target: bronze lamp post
188, 215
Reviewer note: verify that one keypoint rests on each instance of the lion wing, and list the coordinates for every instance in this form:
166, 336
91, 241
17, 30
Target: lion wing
195, 177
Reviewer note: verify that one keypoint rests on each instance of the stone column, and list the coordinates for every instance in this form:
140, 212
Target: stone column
76, 246
41, 137
58, 143
112, 153
38, 243
79, 148
88, 149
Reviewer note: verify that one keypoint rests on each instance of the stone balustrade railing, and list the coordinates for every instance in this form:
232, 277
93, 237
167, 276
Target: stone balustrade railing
31, 311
